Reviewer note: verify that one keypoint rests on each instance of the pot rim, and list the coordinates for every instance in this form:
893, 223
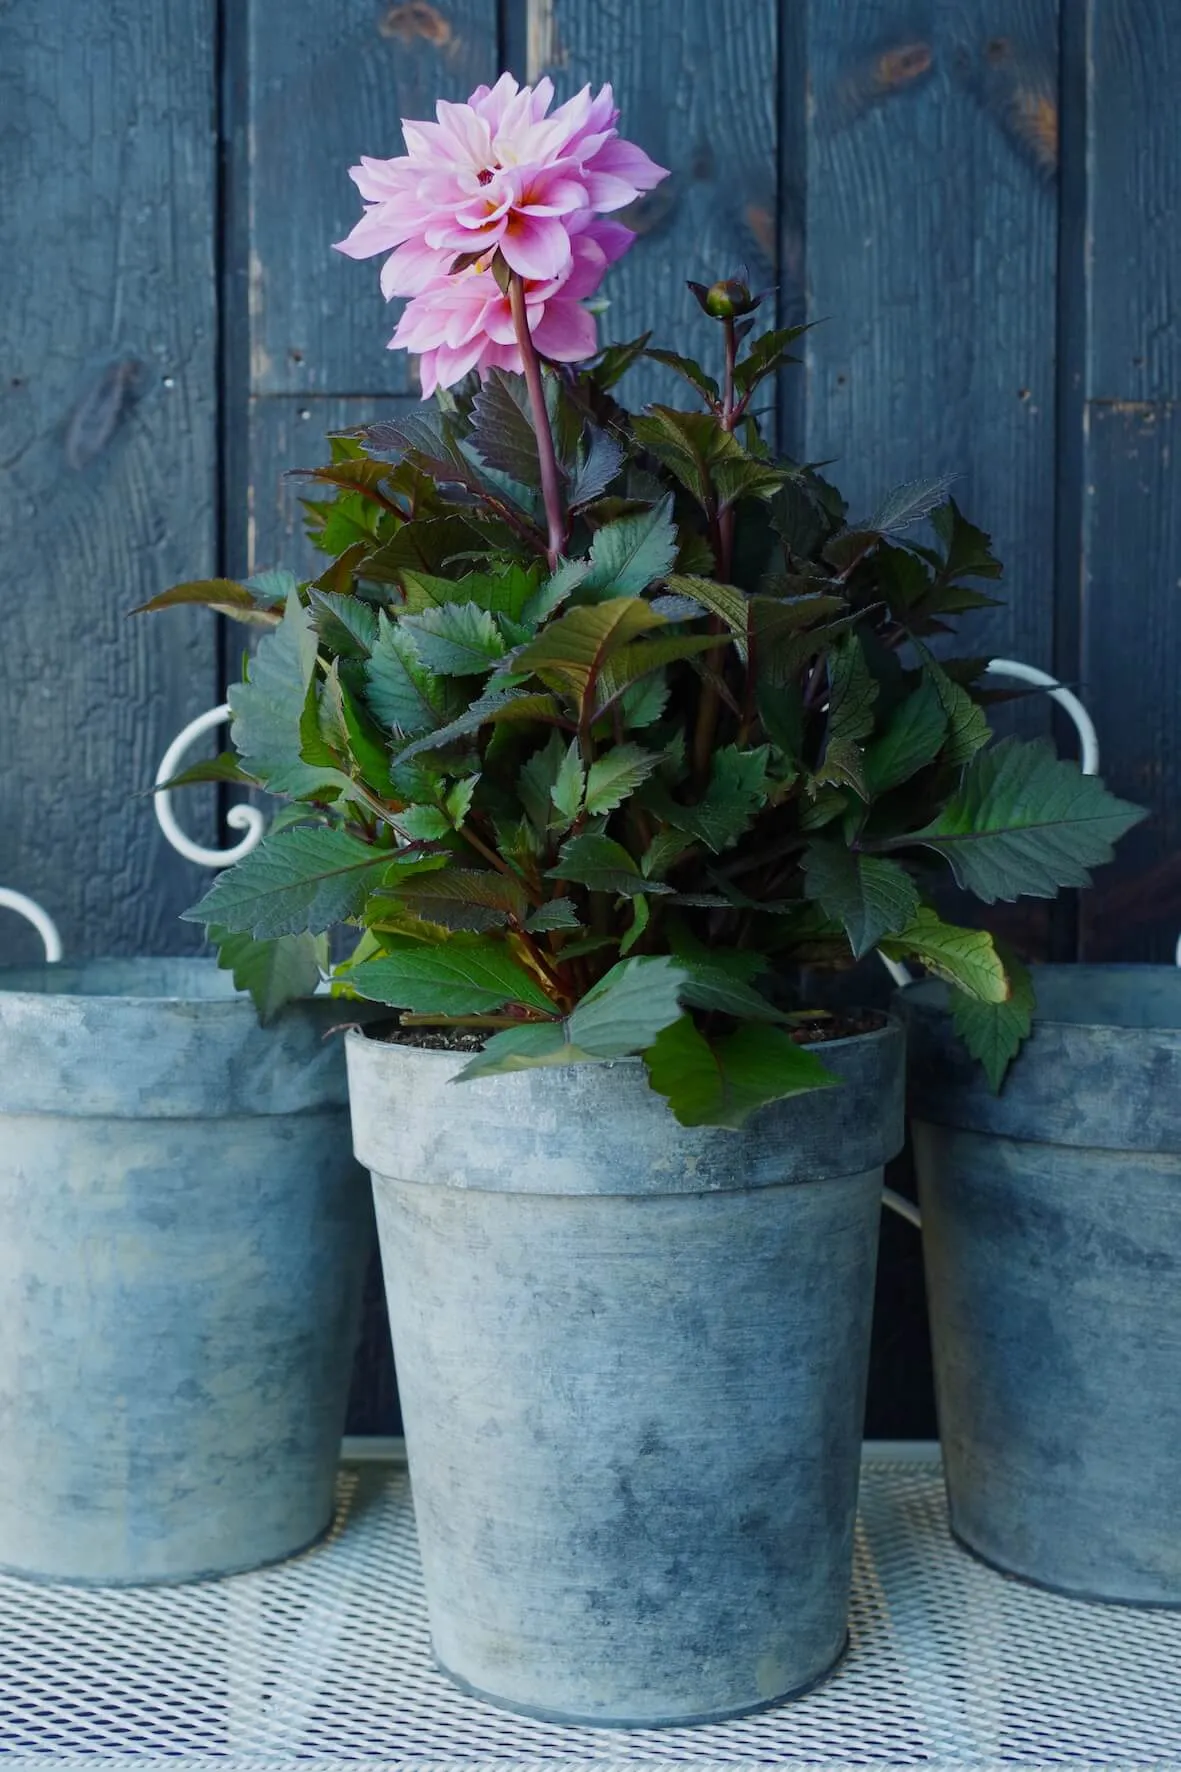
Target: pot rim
53, 981
929, 996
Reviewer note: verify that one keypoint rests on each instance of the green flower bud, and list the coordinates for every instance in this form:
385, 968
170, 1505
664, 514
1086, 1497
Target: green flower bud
725, 300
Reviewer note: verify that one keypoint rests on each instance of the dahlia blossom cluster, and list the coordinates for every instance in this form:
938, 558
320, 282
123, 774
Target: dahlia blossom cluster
499, 175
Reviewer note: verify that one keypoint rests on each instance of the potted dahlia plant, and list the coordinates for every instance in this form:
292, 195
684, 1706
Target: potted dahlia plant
597, 727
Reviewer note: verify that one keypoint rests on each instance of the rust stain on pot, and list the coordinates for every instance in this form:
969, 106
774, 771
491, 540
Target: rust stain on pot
415, 20
101, 409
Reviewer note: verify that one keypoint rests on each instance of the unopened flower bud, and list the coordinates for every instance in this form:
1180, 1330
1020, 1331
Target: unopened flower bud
725, 300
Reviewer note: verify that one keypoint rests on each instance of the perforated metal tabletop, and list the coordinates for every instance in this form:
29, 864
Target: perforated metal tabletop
327, 1658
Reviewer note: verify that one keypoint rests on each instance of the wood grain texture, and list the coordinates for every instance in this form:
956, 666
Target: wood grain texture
107, 453
931, 256
1132, 668
1131, 539
696, 85
288, 433
1134, 209
323, 87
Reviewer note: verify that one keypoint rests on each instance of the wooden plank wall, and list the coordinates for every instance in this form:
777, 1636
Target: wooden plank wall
979, 201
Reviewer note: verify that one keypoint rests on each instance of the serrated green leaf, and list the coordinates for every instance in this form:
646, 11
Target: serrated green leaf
403, 692
799, 518
537, 779
522, 1049
563, 580
616, 360
967, 550
614, 776
455, 639
274, 972
690, 444
912, 739
556, 913
721, 1082
994, 1032
268, 711
602, 865
907, 504
502, 427
468, 899
643, 702
1025, 823
568, 788
599, 461
968, 728
630, 554
571, 652
852, 693
346, 625
738, 789
491, 709
458, 802
870, 895
628, 1007
461, 976
966, 958
692, 372
303, 879
726, 601
424, 824
766, 356
629, 666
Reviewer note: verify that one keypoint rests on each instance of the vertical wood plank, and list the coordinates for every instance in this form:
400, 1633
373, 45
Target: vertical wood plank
696, 84
107, 453
1131, 542
932, 243
324, 87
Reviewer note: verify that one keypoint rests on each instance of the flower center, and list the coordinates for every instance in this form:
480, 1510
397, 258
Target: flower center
486, 177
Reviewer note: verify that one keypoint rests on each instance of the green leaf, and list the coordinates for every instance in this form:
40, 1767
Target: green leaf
624, 669
598, 464
745, 476
869, 894
223, 595
268, 711
966, 958
224, 767
274, 972
403, 693
799, 519
492, 709
569, 785
522, 1049
721, 1082
458, 802
725, 601
502, 427
690, 444
907, 504
630, 554
602, 865
968, 729
993, 1032
463, 976
463, 898
766, 356
571, 651
424, 824
303, 879
617, 774
967, 550
1025, 822
456, 639
628, 1007
346, 625
913, 738
693, 373
852, 693
538, 777
717, 990
565, 578
616, 360
556, 913
643, 702
738, 789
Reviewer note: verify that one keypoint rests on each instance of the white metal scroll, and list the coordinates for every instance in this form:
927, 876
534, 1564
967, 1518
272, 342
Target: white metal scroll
42, 922
240, 818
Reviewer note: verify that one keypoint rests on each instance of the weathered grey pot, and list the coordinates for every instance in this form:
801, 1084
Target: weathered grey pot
632, 1363
183, 1236
1052, 1231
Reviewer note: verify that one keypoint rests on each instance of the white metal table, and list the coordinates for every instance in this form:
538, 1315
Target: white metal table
326, 1659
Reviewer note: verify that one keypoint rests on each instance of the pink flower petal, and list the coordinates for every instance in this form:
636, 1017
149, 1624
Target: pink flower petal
565, 332
408, 270
535, 246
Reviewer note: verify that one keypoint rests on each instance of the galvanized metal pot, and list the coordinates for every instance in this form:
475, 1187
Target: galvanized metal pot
1052, 1231
632, 1363
183, 1236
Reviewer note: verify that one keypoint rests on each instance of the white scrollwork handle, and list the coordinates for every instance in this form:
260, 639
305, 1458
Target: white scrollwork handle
41, 920
240, 818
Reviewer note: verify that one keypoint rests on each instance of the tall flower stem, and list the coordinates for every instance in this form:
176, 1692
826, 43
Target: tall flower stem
551, 484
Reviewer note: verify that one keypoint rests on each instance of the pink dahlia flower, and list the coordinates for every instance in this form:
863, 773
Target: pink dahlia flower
499, 174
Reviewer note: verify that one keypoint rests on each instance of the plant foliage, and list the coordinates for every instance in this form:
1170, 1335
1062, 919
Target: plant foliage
606, 802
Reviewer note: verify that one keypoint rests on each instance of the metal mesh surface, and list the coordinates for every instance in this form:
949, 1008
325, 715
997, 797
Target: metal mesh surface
327, 1658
